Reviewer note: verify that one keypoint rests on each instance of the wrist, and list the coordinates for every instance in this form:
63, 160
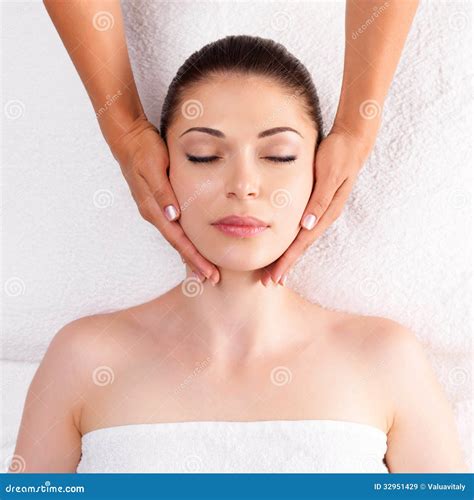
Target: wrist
364, 137
120, 139
119, 113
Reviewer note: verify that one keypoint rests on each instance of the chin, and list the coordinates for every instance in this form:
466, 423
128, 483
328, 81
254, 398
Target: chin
236, 258
248, 254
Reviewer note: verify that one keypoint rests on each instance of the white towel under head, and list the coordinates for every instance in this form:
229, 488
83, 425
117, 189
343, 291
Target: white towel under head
233, 446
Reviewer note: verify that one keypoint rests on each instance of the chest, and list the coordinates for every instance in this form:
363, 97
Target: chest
307, 385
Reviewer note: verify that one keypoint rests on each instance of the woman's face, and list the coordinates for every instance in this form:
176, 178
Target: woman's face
230, 156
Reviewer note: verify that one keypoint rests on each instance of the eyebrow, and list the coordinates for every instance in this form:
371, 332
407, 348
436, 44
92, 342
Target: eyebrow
217, 133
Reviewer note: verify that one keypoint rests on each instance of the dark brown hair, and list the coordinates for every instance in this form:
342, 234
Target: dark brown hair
248, 55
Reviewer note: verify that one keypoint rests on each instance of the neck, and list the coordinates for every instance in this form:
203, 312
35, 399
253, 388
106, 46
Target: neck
238, 309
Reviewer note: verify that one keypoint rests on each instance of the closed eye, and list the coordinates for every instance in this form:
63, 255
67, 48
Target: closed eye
209, 159
281, 159
202, 159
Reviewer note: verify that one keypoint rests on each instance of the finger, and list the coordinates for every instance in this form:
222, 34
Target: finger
265, 276
323, 193
159, 185
316, 207
304, 239
173, 232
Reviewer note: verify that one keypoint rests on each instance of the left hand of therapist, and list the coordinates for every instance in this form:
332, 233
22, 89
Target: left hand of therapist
338, 160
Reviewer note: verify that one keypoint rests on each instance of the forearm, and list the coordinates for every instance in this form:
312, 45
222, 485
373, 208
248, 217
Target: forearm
93, 34
375, 35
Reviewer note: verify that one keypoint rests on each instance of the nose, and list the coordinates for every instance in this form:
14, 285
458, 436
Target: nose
243, 180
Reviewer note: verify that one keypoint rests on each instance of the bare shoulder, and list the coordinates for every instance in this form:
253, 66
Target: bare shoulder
394, 346
108, 338
385, 350
52, 409
422, 433
84, 336
106, 330
382, 339
377, 343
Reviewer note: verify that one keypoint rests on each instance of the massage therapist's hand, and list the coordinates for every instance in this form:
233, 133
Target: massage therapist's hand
370, 59
143, 158
94, 36
339, 158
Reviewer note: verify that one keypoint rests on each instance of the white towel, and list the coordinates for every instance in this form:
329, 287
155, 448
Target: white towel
234, 447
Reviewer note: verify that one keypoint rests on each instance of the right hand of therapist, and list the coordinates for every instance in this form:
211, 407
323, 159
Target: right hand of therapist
143, 158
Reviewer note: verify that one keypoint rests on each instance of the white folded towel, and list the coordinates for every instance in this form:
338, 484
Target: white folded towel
228, 446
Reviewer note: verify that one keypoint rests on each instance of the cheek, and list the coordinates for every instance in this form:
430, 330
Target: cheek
290, 197
194, 191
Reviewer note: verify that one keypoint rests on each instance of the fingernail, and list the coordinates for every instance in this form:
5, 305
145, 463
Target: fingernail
283, 280
276, 280
206, 274
171, 213
309, 221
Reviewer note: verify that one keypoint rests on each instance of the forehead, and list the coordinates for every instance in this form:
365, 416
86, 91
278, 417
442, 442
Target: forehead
235, 102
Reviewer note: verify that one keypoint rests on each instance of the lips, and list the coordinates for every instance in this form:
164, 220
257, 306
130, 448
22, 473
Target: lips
240, 226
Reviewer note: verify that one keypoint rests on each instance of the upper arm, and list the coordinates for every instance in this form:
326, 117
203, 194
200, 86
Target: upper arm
423, 436
48, 438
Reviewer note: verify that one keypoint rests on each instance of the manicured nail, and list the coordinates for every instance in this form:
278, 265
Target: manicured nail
309, 221
171, 213
283, 280
265, 278
276, 280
